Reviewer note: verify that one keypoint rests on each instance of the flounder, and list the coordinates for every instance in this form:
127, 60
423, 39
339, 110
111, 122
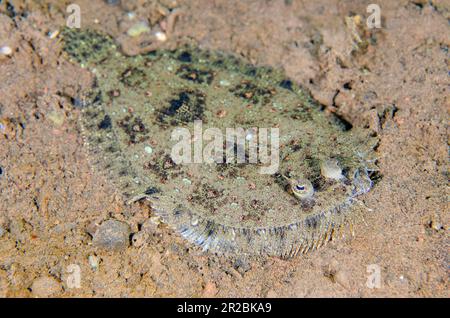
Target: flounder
137, 105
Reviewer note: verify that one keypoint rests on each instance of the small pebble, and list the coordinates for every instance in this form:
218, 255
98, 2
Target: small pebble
53, 34
91, 228
2, 231
138, 29
93, 262
112, 235
242, 266
161, 36
45, 286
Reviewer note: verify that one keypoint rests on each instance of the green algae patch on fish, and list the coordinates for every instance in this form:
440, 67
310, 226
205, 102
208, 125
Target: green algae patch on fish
226, 207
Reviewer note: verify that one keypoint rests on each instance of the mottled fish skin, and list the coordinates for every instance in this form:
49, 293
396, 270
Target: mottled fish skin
136, 103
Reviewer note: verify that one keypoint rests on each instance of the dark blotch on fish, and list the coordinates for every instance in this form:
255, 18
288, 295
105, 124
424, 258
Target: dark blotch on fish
105, 123
185, 57
287, 84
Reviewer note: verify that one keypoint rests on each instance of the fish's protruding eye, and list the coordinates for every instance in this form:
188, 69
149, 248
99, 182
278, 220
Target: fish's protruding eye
299, 187
331, 169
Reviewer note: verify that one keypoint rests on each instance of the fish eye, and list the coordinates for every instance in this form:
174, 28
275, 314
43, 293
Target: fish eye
302, 189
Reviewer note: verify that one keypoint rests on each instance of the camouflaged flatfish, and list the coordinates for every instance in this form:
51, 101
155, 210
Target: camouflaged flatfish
228, 208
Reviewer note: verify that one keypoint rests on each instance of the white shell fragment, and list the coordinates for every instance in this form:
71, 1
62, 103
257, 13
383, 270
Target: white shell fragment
5, 50
161, 36
53, 34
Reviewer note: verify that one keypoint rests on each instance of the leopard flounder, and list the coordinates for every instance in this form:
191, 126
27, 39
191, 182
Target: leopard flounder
228, 208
